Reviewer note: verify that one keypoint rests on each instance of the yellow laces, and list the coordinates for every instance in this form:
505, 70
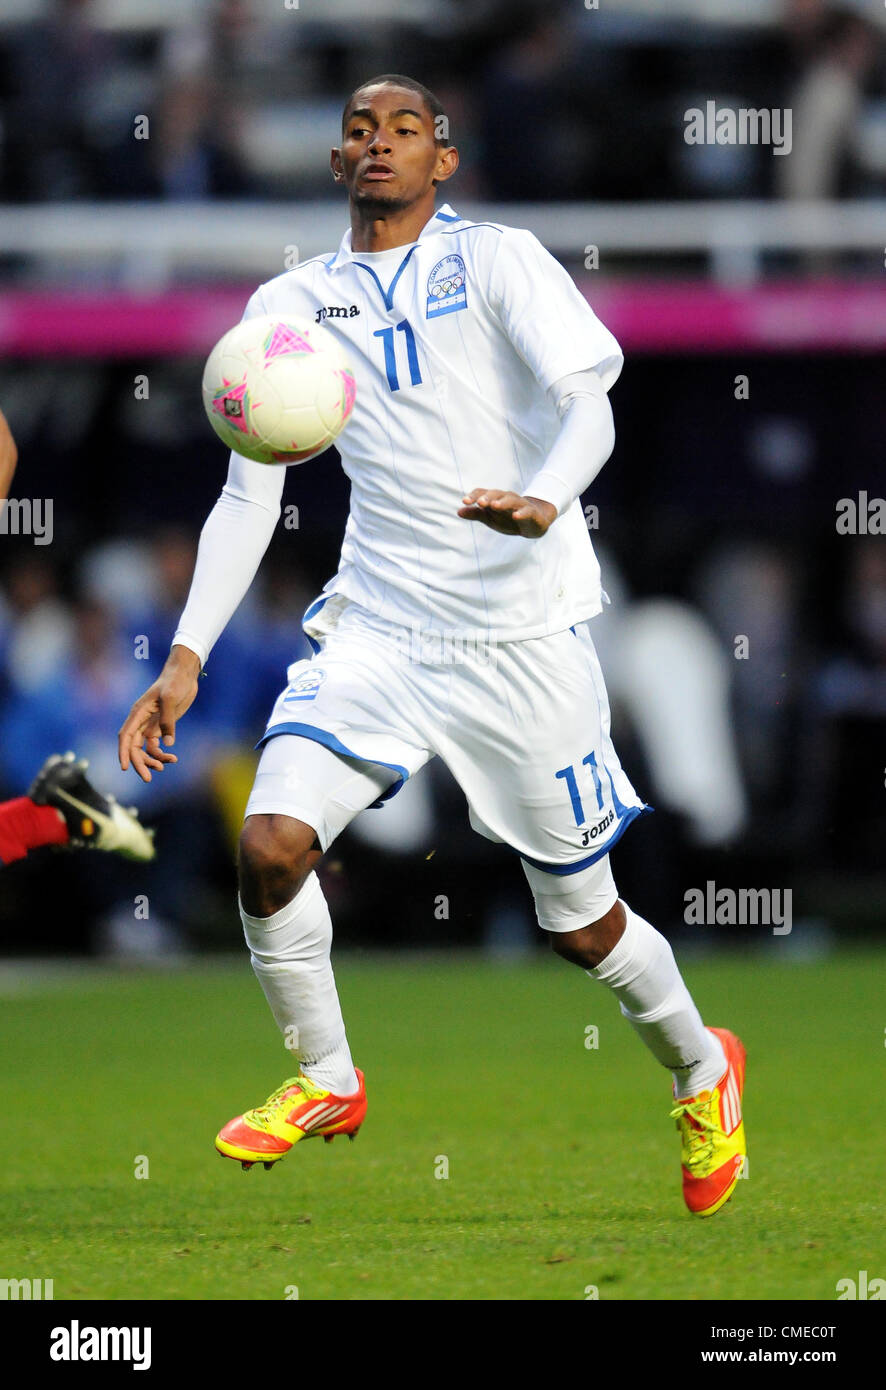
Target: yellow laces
265, 1114
700, 1141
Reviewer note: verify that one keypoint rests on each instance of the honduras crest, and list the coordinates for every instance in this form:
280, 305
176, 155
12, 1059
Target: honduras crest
305, 686
446, 287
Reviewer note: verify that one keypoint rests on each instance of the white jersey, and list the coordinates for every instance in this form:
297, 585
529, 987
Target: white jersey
454, 342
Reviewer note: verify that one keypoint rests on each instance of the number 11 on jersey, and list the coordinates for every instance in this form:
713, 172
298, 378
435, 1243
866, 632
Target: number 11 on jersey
387, 337
568, 776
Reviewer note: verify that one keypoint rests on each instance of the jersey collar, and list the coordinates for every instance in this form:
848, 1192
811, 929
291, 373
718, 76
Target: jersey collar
441, 218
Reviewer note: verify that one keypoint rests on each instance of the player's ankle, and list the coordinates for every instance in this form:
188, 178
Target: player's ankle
704, 1074
334, 1071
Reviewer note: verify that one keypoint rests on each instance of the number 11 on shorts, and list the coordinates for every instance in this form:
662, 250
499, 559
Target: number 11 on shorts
569, 777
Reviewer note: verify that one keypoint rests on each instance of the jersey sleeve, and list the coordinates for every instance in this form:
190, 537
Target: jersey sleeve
585, 441
547, 319
233, 541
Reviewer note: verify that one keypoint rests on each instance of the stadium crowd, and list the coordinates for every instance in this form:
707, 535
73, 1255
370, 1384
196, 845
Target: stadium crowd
226, 88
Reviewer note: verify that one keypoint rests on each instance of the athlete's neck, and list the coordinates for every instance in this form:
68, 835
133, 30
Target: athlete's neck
375, 230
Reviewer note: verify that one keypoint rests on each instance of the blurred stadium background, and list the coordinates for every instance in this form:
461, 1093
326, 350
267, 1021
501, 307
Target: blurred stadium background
122, 259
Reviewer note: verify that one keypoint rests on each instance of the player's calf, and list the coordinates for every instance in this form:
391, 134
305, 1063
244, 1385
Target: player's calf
277, 853
589, 945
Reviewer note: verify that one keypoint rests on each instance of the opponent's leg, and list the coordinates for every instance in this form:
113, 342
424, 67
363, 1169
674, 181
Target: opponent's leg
619, 948
64, 808
24, 826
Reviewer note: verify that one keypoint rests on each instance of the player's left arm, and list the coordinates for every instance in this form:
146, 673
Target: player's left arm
574, 358
8, 457
585, 441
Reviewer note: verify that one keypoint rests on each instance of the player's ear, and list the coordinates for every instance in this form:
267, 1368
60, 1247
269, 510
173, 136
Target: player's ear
335, 165
447, 163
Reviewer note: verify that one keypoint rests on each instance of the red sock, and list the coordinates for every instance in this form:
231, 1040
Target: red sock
24, 826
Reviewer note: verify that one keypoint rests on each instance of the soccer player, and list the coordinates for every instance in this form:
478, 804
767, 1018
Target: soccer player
457, 625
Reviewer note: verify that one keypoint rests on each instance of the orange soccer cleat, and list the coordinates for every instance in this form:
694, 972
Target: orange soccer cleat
713, 1146
299, 1109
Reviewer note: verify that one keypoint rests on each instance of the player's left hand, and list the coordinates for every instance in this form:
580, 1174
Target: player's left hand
508, 512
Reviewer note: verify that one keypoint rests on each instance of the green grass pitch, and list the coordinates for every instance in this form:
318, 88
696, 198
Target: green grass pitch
562, 1162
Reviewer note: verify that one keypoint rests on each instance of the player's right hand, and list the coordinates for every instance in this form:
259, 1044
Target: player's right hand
154, 715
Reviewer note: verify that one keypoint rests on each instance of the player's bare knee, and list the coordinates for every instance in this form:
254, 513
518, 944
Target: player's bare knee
276, 855
588, 946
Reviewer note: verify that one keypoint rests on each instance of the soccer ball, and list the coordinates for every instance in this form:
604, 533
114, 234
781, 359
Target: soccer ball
278, 390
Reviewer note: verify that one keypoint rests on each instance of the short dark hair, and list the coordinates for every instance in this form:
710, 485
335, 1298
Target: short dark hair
432, 103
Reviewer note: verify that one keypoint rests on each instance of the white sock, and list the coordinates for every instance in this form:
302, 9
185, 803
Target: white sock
642, 974
290, 956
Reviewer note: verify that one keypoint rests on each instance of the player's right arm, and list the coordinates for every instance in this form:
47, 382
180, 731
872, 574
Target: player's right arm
233, 541
154, 714
8, 457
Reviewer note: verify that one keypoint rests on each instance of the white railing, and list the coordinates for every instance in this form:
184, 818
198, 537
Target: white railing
150, 244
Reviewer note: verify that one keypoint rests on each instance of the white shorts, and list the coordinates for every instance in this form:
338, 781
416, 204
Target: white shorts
522, 726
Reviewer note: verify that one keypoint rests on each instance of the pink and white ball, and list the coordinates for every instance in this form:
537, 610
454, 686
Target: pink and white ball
278, 390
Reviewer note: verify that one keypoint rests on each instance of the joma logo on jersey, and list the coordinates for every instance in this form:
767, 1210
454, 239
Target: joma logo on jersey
336, 311
598, 829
